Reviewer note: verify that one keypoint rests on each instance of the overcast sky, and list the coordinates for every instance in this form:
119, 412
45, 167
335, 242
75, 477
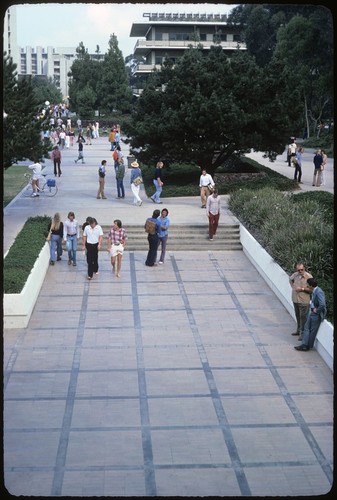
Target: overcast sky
66, 25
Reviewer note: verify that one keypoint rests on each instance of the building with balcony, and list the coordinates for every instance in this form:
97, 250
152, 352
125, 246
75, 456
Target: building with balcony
166, 36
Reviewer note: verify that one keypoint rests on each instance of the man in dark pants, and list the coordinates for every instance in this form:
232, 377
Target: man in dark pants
316, 315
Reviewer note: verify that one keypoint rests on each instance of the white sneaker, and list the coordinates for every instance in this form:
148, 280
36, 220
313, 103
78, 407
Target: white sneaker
160, 262
33, 195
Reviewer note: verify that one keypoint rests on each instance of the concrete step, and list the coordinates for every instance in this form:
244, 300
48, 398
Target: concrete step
183, 237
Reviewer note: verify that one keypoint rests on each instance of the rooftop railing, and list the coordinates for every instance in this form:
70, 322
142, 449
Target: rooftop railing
175, 17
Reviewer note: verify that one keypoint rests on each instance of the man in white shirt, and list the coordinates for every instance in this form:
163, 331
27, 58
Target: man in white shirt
92, 240
205, 181
213, 213
37, 169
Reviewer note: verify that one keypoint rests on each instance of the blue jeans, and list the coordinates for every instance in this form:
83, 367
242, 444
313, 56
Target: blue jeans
120, 188
310, 329
162, 242
55, 247
156, 196
72, 247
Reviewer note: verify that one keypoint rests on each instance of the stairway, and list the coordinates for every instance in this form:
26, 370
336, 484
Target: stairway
181, 237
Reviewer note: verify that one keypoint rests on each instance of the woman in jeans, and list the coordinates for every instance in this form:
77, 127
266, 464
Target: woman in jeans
71, 233
56, 228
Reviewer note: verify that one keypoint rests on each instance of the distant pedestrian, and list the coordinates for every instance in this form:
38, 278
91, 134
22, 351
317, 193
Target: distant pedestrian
62, 139
206, 184
36, 176
120, 173
101, 180
163, 234
158, 182
71, 233
89, 133
112, 137
323, 166
152, 227
318, 161
56, 158
300, 295
92, 240
56, 229
213, 213
298, 165
80, 141
136, 180
315, 316
116, 242
292, 148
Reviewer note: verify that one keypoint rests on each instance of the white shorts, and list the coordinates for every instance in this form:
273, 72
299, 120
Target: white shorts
116, 249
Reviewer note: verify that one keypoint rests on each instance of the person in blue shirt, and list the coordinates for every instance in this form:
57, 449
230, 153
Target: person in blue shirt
163, 233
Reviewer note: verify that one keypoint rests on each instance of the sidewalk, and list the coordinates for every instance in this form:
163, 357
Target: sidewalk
177, 380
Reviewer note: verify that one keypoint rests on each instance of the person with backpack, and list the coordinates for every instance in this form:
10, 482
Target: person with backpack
101, 181
152, 228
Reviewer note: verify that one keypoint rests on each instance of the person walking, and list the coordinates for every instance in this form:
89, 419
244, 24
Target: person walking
136, 180
300, 294
80, 141
158, 182
116, 243
56, 158
36, 176
163, 234
71, 233
89, 133
298, 165
92, 240
292, 148
318, 160
206, 183
120, 173
152, 227
213, 204
315, 316
101, 180
56, 229
112, 137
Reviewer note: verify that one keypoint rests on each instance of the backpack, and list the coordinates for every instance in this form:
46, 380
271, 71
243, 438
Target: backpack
150, 226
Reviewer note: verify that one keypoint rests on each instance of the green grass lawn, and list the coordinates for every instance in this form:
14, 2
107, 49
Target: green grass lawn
13, 182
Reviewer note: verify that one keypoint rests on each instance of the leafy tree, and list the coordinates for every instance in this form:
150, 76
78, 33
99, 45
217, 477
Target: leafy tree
113, 87
84, 74
210, 107
45, 90
24, 121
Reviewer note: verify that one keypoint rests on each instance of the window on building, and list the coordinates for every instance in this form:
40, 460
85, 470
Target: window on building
179, 37
159, 37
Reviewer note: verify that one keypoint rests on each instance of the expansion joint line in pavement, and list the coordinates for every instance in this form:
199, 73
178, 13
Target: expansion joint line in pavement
69, 407
150, 480
276, 376
216, 399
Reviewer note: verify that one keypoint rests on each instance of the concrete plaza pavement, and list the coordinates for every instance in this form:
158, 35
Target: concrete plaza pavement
177, 380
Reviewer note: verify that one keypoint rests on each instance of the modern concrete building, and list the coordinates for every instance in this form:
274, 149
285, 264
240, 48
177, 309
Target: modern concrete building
49, 62
166, 36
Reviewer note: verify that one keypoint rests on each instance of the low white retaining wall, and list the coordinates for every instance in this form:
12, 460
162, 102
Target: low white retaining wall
18, 307
278, 280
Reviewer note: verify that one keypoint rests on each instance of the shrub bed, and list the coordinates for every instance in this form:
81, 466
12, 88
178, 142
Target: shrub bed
23, 253
292, 228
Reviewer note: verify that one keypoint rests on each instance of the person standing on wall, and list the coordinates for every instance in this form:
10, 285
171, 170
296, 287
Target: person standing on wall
300, 295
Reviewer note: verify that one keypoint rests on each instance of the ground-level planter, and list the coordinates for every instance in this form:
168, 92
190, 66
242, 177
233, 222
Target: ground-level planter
18, 307
278, 280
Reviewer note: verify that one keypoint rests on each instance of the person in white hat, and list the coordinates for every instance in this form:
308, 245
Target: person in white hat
136, 180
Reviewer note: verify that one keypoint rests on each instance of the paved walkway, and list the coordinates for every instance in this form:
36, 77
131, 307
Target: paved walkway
178, 380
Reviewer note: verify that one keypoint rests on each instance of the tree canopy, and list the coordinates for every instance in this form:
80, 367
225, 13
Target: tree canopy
24, 119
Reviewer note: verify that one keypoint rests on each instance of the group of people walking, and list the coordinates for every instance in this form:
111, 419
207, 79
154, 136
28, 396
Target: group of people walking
294, 158
92, 239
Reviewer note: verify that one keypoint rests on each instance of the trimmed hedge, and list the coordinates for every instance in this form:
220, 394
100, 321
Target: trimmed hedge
292, 228
23, 253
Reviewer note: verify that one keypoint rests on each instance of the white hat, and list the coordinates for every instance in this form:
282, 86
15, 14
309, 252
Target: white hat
135, 164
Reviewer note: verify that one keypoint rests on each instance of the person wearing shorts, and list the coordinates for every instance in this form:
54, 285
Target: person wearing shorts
116, 242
